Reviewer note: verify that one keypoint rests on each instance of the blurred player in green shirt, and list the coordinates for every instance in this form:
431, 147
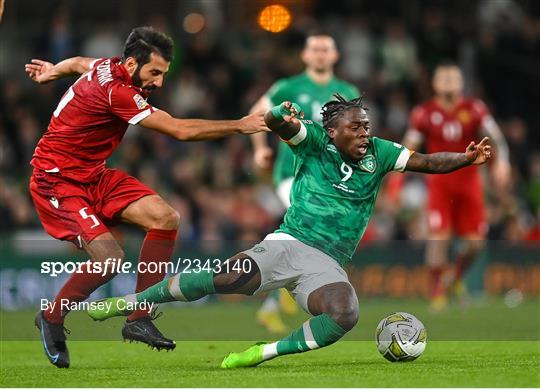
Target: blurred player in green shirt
338, 171
310, 89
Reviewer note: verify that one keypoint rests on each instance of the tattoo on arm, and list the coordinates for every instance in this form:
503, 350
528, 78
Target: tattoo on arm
443, 162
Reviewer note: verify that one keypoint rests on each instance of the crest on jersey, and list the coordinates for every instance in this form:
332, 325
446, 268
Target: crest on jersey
464, 116
436, 118
368, 163
139, 101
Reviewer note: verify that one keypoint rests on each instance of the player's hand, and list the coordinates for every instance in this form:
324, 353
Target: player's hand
39, 71
263, 157
478, 154
294, 111
253, 123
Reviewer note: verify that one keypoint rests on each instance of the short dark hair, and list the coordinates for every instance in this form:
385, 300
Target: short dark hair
319, 33
333, 110
143, 41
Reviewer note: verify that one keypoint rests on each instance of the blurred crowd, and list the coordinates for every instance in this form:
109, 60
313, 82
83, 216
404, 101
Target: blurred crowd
388, 49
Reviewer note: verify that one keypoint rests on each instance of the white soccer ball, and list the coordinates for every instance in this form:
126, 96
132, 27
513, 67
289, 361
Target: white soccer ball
401, 337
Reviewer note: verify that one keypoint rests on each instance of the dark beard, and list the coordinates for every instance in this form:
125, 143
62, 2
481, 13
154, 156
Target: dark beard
136, 78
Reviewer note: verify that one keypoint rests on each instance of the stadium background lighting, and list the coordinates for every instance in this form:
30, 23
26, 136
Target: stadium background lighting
194, 23
274, 18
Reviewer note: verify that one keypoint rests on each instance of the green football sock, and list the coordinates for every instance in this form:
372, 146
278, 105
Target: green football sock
193, 285
184, 287
317, 332
157, 293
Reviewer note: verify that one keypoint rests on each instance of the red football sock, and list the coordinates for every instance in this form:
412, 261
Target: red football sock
436, 285
78, 287
157, 248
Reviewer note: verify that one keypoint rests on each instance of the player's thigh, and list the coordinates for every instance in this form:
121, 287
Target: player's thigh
237, 275
151, 212
471, 216
439, 210
316, 270
271, 257
63, 216
124, 197
440, 222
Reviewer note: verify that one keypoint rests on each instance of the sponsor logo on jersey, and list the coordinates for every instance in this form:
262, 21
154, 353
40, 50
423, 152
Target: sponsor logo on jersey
344, 188
259, 249
368, 163
139, 101
331, 148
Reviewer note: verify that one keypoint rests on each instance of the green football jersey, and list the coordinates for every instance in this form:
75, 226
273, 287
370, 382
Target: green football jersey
311, 97
331, 199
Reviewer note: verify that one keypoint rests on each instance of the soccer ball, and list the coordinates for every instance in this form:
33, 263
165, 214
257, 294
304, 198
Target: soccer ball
401, 337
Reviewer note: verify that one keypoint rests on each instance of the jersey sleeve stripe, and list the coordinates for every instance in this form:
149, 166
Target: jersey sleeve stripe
299, 137
402, 160
139, 117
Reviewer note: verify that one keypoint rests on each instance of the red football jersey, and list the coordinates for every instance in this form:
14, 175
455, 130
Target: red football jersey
450, 131
90, 121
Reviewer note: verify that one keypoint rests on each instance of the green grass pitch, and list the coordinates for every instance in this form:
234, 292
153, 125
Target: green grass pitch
507, 355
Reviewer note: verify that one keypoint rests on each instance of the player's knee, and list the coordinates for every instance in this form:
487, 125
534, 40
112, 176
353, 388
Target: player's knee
117, 254
110, 261
105, 250
173, 219
345, 315
166, 218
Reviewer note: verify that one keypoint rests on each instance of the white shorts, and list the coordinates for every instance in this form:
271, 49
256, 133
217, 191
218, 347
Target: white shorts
286, 262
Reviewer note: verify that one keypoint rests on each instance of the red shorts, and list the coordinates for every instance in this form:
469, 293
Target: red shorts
458, 208
72, 211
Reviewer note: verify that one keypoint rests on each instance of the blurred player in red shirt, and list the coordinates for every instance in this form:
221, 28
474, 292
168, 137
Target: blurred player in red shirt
77, 197
448, 122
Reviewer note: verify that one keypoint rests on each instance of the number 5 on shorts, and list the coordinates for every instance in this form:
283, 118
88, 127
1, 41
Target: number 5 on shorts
91, 216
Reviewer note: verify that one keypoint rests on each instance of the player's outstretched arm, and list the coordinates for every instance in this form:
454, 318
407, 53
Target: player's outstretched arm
43, 72
262, 153
283, 120
201, 129
444, 162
